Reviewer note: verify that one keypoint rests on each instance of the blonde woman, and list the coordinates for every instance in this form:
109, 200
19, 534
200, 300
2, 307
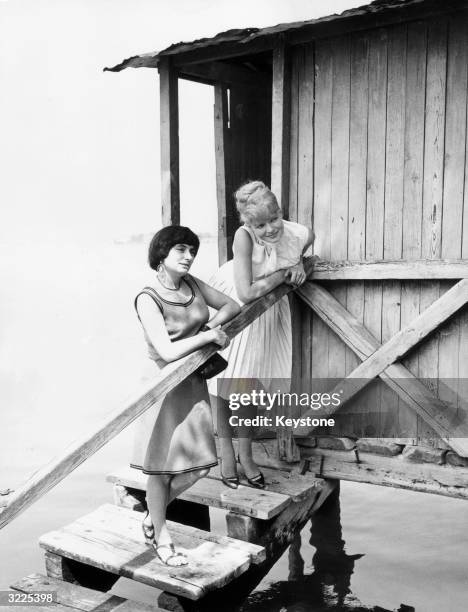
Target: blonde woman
267, 252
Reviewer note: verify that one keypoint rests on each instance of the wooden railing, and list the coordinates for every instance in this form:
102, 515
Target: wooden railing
379, 361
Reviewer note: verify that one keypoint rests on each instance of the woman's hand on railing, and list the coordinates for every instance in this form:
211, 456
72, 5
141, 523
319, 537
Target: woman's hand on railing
217, 336
296, 275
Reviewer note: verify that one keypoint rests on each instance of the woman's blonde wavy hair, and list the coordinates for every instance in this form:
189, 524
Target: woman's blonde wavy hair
254, 198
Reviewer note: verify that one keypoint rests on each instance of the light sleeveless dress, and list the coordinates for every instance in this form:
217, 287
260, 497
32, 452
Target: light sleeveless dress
263, 350
176, 434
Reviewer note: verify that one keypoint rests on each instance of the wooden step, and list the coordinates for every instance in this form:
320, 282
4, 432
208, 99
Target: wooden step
110, 538
296, 487
69, 597
281, 489
257, 503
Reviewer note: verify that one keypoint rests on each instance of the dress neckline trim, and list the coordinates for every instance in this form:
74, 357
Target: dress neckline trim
187, 303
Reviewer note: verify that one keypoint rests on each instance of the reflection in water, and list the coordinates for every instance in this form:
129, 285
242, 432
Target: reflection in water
328, 586
333, 568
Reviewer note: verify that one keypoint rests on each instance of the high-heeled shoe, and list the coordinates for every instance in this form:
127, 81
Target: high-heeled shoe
230, 481
258, 481
148, 534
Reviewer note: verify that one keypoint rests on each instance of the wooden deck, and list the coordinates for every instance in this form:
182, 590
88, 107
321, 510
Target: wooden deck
281, 490
110, 538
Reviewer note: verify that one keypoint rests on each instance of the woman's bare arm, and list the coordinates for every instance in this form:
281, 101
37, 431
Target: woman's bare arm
225, 306
248, 289
153, 322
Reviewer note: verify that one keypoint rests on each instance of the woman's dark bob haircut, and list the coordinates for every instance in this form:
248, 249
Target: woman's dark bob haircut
168, 237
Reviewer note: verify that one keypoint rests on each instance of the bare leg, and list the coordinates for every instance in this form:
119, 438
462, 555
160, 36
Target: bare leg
251, 469
246, 434
160, 491
157, 497
221, 414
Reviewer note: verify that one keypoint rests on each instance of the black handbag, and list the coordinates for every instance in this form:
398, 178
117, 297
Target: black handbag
213, 366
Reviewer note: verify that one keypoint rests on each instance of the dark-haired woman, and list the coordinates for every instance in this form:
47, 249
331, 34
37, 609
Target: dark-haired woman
175, 443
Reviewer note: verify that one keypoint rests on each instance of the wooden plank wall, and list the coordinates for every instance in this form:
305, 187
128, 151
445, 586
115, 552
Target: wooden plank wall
378, 158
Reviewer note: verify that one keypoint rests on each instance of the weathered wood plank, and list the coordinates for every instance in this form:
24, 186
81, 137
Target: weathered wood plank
78, 597
220, 129
298, 311
277, 481
453, 193
322, 196
281, 108
463, 320
357, 180
340, 118
390, 471
394, 165
110, 538
375, 203
261, 504
421, 269
57, 469
432, 198
364, 344
305, 191
412, 191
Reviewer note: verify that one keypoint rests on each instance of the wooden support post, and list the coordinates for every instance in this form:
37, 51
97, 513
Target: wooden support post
220, 131
75, 572
280, 130
169, 135
280, 137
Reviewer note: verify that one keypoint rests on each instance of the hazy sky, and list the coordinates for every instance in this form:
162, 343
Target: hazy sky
79, 148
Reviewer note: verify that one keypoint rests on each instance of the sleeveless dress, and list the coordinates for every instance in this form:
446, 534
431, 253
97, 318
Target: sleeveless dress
263, 350
176, 434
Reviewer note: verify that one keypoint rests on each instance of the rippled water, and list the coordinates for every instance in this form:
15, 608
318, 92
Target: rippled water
70, 352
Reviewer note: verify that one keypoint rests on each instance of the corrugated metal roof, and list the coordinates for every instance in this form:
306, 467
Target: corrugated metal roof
243, 36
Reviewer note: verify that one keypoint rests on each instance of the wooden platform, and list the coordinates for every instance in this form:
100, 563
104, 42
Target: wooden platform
72, 597
110, 538
256, 503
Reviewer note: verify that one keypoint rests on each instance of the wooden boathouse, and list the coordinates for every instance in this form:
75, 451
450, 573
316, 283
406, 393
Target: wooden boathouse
359, 123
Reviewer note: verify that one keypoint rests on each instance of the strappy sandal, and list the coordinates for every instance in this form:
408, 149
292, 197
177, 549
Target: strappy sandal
148, 534
148, 530
174, 555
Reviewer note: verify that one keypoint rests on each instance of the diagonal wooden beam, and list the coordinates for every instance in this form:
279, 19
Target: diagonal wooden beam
414, 393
